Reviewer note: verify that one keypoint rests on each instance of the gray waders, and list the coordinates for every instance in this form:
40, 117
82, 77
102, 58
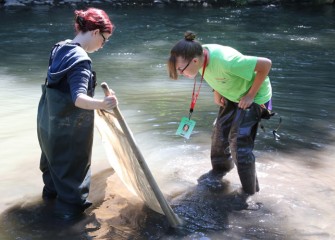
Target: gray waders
65, 135
233, 142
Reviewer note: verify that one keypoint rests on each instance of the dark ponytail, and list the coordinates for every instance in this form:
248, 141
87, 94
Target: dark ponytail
189, 36
187, 48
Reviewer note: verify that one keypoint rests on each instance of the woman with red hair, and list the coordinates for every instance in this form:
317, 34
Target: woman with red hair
65, 120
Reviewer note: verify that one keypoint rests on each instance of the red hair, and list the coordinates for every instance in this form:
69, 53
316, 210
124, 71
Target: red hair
91, 19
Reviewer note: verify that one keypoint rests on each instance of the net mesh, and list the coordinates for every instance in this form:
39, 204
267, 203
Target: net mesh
123, 160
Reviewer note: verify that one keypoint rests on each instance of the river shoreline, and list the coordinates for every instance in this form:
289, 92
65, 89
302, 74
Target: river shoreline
161, 3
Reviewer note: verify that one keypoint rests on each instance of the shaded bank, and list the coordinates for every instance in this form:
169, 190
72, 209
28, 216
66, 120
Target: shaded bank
179, 3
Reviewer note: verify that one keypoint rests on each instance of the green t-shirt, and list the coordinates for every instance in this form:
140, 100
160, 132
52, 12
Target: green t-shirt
231, 74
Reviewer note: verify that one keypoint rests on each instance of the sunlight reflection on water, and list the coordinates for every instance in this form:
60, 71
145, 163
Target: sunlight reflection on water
295, 173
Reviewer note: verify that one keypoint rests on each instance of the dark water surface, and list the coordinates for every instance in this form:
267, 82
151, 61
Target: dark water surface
296, 173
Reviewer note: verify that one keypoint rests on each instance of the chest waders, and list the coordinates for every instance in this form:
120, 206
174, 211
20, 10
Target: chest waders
233, 141
65, 135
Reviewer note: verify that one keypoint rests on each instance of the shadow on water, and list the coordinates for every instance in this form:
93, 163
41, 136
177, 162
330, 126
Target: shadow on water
213, 210
209, 210
34, 221
32, 218
296, 171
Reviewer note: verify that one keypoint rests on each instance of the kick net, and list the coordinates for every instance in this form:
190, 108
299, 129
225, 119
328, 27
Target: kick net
121, 153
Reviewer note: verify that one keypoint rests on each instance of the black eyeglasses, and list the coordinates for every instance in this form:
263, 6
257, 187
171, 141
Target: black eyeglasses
182, 70
105, 40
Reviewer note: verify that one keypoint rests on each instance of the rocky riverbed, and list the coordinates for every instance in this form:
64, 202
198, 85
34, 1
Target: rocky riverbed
181, 3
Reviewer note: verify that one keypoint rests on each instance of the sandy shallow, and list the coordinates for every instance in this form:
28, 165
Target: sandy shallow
298, 206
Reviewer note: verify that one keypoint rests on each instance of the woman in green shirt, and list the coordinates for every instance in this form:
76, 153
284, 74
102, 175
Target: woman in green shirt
241, 88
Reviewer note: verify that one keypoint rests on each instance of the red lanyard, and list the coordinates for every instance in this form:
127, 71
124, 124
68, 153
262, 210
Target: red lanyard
195, 95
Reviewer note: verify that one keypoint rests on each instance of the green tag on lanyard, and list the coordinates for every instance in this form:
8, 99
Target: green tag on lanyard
185, 127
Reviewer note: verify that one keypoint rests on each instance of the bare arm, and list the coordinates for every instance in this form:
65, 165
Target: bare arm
262, 69
218, 99
89, 103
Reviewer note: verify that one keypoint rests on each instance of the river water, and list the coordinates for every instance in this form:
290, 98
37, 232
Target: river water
296, 173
